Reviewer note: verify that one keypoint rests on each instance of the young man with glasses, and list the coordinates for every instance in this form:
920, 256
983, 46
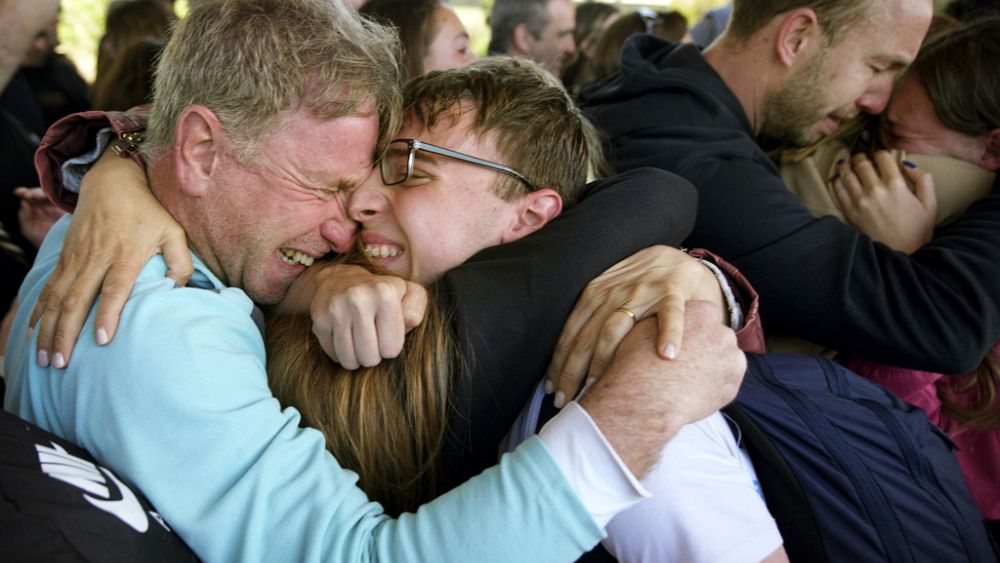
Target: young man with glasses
473, 169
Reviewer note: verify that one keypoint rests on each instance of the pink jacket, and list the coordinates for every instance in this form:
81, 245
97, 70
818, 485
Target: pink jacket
978, 450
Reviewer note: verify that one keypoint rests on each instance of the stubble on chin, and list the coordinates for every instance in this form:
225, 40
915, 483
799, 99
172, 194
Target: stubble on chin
792, 114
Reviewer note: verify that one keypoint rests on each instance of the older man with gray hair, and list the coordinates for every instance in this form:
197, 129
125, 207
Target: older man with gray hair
266, 111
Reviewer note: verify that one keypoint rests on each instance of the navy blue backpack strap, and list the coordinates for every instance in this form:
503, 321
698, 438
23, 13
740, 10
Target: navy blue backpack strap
784, 494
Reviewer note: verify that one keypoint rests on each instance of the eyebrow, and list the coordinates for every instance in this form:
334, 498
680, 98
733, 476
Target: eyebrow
344, 184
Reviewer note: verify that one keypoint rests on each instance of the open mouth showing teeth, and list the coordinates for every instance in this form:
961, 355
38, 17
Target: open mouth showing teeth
382, 251
296, 257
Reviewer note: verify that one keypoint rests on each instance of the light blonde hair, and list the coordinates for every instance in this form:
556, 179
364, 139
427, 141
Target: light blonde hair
251, 62
386, 423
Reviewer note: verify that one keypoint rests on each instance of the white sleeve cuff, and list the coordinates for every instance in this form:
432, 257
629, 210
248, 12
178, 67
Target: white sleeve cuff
591, 466
732, 304
74, 168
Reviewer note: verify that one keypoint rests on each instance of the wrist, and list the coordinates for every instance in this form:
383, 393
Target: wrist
637, 445
718, 290
303, 290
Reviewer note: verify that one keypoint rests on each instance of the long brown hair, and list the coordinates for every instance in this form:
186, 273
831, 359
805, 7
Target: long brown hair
414, 21
386, 423
971, 399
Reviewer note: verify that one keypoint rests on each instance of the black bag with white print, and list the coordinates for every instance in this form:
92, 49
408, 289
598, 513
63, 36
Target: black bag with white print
58, 504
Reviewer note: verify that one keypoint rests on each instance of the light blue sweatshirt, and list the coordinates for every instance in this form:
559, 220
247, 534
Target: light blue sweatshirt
178, 405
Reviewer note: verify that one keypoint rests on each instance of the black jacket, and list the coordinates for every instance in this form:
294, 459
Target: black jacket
510, 302
820, 279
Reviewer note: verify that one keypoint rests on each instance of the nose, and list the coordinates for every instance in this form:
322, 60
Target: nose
368, 201
570, 46
339, 229
876, 97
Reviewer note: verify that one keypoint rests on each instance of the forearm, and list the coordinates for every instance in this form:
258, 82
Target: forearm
520, 510
300, 295
637, 445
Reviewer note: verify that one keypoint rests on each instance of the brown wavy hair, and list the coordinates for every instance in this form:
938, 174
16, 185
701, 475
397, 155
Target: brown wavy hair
531, 118
671, 26
971, 399
386, 423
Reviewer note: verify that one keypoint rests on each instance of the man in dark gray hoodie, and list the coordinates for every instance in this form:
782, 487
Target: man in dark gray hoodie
794, 71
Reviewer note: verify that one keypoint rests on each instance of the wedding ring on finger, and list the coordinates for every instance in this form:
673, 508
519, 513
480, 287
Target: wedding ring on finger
628, 312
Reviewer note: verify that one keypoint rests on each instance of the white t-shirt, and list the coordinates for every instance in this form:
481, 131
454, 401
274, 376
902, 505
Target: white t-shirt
705, 506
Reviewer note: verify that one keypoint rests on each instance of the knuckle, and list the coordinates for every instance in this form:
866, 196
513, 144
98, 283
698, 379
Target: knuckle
114, 286
44, 334
185, 270
174, 230
384, 290
590, 292
53, 305
568, 380
72, 301
582, 341
61, 337
609, 333
392, 352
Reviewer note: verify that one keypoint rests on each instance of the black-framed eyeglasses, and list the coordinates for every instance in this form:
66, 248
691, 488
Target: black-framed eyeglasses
396, 164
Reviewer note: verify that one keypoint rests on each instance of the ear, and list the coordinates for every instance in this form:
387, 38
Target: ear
799, 37
991, 154
200, 140
521, 40
534, 211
